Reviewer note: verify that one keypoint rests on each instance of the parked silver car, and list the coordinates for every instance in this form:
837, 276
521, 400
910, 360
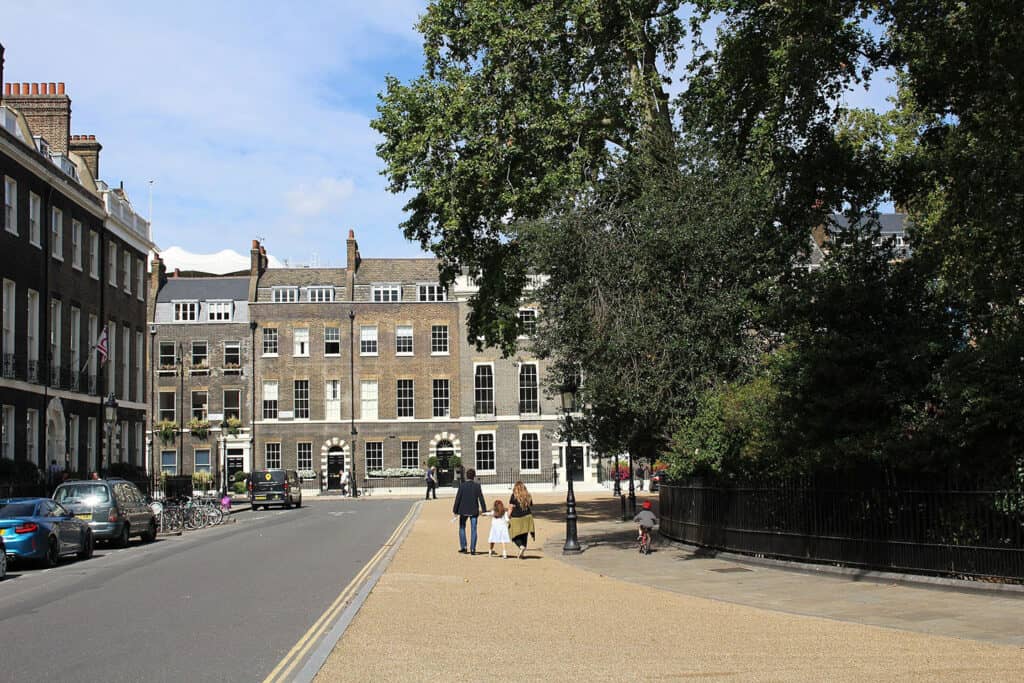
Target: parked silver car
114, 508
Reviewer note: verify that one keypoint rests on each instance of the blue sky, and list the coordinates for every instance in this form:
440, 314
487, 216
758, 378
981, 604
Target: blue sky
252, 118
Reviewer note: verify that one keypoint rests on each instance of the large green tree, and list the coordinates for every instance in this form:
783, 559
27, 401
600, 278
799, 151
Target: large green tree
520, 105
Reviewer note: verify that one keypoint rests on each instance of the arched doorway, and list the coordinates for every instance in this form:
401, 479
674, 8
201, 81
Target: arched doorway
445, 452
335, 466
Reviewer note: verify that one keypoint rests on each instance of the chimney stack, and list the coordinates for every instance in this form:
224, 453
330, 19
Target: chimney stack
352, 262
47, 110
86, 147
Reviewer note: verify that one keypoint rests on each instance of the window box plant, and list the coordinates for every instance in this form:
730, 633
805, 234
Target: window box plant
199, 428
166, 429
233, 426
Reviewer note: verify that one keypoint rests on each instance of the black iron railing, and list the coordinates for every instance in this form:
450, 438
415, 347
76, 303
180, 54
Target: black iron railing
7, 366
973, 533
503, 476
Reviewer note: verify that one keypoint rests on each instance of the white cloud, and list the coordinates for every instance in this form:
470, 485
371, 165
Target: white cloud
219, 263
314, 199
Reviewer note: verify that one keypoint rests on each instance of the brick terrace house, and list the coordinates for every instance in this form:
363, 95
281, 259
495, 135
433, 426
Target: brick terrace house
380, 332
72, 255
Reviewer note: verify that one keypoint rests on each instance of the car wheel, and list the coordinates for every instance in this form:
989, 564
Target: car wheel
122, 540
149, 535
299, 504
287, 504
87, 546
52, 556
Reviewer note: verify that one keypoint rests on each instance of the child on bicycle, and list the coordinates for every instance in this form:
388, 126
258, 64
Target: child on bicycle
645, 519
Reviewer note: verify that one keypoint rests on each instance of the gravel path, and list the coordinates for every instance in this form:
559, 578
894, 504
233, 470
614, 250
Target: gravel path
437, 613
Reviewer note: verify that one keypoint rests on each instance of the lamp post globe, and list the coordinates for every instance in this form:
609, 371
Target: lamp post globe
572, 544
110, 417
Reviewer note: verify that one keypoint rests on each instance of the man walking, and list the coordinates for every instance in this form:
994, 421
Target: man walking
469, 503
431, 482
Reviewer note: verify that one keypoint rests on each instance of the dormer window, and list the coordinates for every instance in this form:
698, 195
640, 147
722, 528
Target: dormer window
387, 293
219, 310
320, 294
282, 295
186, 311
430, 292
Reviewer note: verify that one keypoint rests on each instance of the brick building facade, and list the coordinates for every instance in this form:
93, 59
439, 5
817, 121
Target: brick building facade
380, 334
72, 255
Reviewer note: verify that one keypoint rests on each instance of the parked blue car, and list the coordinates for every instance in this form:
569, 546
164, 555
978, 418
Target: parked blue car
40, 529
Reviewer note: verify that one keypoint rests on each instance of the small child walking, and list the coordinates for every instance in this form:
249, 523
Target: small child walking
499, 528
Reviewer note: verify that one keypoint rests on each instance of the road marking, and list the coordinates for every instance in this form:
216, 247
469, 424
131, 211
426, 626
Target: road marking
301, 649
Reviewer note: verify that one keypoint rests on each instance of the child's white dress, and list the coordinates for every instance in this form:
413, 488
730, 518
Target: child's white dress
499, 529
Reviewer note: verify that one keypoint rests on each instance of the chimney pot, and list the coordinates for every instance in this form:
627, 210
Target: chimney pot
92, 137
35, 88
60, 88
7, 88
351, 234
255, 244
52, 89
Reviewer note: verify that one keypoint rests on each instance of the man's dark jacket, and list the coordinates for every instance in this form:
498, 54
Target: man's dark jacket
469, 495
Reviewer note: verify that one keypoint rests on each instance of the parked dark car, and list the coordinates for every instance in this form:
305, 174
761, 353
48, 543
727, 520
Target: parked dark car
658, 478
40, 529
275, 487
114, 508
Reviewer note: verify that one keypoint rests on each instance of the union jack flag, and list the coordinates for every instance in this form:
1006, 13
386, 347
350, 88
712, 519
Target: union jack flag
101, 345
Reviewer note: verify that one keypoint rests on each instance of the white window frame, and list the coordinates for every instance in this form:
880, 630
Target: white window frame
73, 426
300, 404
404, 457
369, 401
76, 244
56, 322
434, 397
199, 361
7, 447
139, 354
186, 311
196, 467
272, 455
201, 411
284, 295
231, 409
535, 388
427, 291
126, 272
332, 338
140, 280
319, 294
111, 356
536, 433
386, 292
237, 346
367, 336
270, 401
161, 412
57, 233
75, 345
492, 389
378, 455
32, 325
300, 342
112, 264
94, 330
126, 372
434, 337
94, 255
332, 399
32, 436
9, 339
11, 205
399, 398
403, 332
90, 445
494, 451
170, 468
219, 310
35, 208
271, 336
528, 334
304, 455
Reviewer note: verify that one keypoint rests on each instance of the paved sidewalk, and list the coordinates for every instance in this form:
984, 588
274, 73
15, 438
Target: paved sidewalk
436, 613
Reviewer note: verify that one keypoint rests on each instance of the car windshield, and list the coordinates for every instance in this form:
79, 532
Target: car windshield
18, 510
89, 494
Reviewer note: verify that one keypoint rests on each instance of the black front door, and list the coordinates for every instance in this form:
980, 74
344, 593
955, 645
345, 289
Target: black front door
445, 476
335, 466
236, 462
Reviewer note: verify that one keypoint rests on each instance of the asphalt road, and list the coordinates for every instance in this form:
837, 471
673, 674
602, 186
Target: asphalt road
220, 604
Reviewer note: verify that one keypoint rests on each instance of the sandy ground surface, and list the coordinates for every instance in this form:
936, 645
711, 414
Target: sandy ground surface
438, 614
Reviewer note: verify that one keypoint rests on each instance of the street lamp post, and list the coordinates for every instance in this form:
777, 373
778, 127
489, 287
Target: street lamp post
632, 491
252, 396
352, 396
572, 544
110, 417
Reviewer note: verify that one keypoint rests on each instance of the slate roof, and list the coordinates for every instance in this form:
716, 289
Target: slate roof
204, 289
889, 223
397, 270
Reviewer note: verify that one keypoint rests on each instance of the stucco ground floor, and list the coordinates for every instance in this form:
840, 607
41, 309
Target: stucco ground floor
500, 450
47, 426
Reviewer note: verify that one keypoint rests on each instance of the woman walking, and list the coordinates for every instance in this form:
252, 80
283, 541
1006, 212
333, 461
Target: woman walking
520, 522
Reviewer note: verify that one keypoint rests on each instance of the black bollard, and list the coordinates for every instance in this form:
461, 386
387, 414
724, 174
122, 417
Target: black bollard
622, 501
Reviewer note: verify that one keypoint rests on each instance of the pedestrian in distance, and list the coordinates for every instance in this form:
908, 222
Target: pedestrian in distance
469, 503
431, 482
499, 528
521, 518
344, 482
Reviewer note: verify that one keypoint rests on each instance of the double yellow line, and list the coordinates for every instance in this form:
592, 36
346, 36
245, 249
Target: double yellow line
301, 649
